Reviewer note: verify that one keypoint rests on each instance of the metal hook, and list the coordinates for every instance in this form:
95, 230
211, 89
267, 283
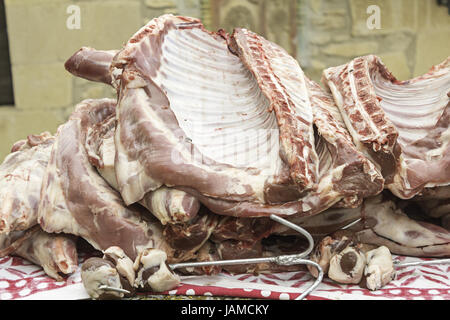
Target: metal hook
108, 288
284, 260
399, 264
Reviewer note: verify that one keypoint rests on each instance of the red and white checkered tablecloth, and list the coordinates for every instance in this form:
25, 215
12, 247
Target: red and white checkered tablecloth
19, 279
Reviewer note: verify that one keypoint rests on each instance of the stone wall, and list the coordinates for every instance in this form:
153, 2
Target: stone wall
320, 33
413, 34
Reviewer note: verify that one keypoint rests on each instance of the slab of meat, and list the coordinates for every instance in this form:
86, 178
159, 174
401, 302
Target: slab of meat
75, 199
385, 224
56, 254
345, 175
324, 223
244, 145
21, 175
402, 126
167, 204
187, 238
433, 204
201, 130
91, 64
343, 168
284, 85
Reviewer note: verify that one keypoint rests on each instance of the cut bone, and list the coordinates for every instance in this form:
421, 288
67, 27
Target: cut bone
347, 266
153, 272
96, 273
56, 254
379, 270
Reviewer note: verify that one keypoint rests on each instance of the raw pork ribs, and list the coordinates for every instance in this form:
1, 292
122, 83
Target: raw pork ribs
401, 126
210, 134
229, 119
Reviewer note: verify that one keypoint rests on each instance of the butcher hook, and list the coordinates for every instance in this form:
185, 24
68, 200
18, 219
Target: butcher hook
282, 260
399, 264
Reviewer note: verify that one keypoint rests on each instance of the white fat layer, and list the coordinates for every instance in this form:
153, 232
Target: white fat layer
157, 197
124, 264
53, 210
153, 258
177, 200
163, 279
338, 98
125, 168
104, 275
158, 203
21, 175
379, 270
108, 152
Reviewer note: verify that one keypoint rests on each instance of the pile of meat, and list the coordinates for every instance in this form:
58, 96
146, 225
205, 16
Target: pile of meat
210, 134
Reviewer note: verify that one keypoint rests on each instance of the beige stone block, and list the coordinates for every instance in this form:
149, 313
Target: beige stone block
173, 11
432, 47
439, 18
424, 14
398, 41
313, 74
431, 16
84, 89
35, 30
409, 14
351, 49
160, 4
329, 22
397, 63
315, 5
320, 38
318, 64
18, 124
39, 33
341, 37
41, 86
191, 8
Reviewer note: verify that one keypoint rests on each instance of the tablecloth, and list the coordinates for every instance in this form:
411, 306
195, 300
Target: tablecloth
20, 279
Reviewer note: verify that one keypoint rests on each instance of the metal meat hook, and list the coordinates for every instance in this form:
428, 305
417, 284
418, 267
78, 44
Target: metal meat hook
284, 260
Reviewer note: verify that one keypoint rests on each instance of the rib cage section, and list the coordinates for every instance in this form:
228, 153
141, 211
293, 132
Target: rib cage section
216, 100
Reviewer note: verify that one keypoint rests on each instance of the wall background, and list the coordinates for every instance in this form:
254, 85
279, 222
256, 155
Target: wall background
414, 35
